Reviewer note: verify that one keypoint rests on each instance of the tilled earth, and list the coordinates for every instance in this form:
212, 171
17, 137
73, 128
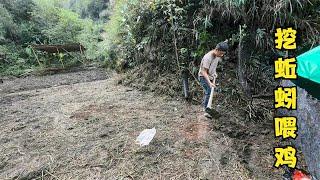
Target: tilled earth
83, 125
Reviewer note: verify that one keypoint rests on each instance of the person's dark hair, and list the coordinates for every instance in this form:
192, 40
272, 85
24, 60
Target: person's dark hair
222, 46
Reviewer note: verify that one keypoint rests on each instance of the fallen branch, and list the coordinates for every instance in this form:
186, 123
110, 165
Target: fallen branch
59, 48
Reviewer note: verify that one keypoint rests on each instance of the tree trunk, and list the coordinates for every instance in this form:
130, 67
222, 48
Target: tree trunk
59, 48
241, 67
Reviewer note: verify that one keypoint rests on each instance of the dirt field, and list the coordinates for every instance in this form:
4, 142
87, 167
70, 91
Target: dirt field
83, 125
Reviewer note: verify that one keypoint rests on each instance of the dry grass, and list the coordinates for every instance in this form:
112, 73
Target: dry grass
87, 131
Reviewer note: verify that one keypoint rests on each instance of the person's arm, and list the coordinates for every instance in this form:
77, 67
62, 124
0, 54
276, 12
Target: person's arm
206, 76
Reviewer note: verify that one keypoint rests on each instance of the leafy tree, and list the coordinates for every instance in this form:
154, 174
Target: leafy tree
20, 9
93, 9
7, 24
96, 7
155, 33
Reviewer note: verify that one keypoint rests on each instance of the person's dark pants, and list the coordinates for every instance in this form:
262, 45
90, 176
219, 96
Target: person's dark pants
207, 91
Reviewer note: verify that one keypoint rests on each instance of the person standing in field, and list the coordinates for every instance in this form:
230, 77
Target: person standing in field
207, 73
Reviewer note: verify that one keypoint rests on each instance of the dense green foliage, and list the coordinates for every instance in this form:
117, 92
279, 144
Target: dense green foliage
94, 9
27, 22
167, 34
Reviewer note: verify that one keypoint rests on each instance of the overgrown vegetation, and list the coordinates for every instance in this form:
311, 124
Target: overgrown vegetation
166, 35
28, 22
156, 39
